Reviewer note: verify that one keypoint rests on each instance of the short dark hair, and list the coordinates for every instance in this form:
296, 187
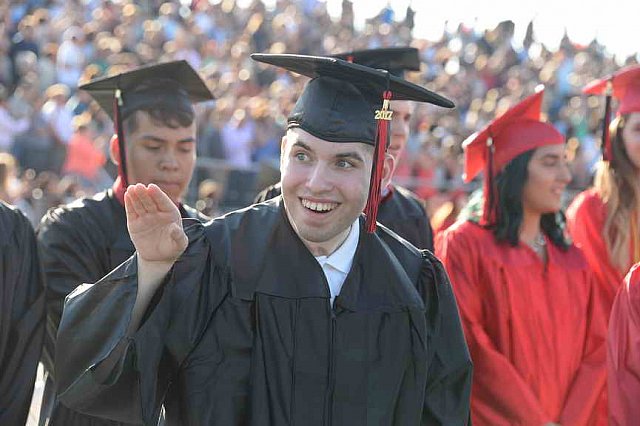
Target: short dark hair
164, 117
510, 185
165, 111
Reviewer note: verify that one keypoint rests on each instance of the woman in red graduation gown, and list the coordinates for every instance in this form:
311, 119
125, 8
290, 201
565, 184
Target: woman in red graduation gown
623, 359
603, 220
528, 303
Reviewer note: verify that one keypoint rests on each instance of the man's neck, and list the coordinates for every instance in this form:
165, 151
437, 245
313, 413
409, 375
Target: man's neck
327, 248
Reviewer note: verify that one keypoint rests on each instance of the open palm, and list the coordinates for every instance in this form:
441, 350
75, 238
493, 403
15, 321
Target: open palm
154, 223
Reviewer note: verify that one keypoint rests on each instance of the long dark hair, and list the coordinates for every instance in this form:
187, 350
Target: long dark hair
617, 185
510, 185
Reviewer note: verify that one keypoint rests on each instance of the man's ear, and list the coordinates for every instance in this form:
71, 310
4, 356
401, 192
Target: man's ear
114, 150
387, 170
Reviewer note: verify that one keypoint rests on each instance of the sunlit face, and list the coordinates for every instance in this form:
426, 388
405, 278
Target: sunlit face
548, 176
402, 111
161, 155
631, 137
324, 187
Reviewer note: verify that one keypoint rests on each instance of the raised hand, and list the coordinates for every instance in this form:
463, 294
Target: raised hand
154, 224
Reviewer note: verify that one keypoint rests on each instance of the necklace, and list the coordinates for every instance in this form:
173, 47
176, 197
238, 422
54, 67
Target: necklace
538, 244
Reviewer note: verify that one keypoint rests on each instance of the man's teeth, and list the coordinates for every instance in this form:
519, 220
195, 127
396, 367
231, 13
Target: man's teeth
319, 207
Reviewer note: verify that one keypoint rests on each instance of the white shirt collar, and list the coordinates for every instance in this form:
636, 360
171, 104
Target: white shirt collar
342, 258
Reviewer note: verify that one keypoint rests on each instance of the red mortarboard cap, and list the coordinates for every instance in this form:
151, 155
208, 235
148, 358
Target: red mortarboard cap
515, 132
626, 88
623, 85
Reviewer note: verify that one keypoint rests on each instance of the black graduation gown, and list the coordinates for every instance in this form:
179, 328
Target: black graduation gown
401, 211
21, 315
242, 333
79, 243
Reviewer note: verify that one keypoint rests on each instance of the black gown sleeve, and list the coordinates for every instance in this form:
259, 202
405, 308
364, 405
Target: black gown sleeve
71, 254
21, 315
105, 373
448, 389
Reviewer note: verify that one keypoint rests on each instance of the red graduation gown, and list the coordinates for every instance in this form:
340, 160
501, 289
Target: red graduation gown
623, 357
585, 220
536, 334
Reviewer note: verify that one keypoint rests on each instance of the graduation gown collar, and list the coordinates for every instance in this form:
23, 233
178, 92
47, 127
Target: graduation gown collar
287, 269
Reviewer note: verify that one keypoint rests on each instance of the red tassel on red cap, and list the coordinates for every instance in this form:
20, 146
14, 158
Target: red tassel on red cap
383, 116
489, 211
607, 152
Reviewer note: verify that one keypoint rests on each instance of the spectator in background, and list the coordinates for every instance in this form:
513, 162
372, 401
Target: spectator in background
59, 118
70, 60
84, 159
9, 126
23, 41
237, 137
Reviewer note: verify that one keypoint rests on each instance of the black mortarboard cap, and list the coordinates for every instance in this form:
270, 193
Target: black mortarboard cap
396, 60
144, 88
348, 102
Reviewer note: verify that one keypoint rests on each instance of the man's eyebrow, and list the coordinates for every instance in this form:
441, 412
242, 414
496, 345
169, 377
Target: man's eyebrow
351, 155
153, 138
159, 139
302, 145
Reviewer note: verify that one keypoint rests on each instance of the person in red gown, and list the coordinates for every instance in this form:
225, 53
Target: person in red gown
528, 303
623, 360
603, 220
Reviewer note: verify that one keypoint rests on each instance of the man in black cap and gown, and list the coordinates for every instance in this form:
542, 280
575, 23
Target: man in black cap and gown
152, 109
400, 210
21, 315
299, 310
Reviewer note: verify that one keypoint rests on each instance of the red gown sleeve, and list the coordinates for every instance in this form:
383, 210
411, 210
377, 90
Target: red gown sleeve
588, 385
499, 394
623, 358
585, 221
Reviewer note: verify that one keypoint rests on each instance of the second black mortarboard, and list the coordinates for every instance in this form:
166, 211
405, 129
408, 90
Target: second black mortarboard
396, 60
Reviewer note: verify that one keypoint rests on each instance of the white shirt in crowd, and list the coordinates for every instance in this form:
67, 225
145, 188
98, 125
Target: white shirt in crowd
9, 128
337, 265
60, 118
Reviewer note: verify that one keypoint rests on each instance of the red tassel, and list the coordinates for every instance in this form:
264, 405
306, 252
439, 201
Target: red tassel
382, 142
117, 123
489, 213
607, 151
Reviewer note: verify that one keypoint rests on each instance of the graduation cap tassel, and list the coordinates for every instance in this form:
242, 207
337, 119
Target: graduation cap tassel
489, 211
383, 116
607, 151
117, 122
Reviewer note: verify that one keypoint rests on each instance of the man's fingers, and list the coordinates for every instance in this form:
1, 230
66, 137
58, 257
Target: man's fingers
145, 199
128, 207
135, 203
161, 200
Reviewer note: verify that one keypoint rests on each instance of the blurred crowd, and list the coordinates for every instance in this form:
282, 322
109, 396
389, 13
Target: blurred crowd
54, 140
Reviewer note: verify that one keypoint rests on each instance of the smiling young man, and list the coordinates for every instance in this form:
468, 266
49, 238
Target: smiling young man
82, 241
528, 301
294, 311
400, 210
